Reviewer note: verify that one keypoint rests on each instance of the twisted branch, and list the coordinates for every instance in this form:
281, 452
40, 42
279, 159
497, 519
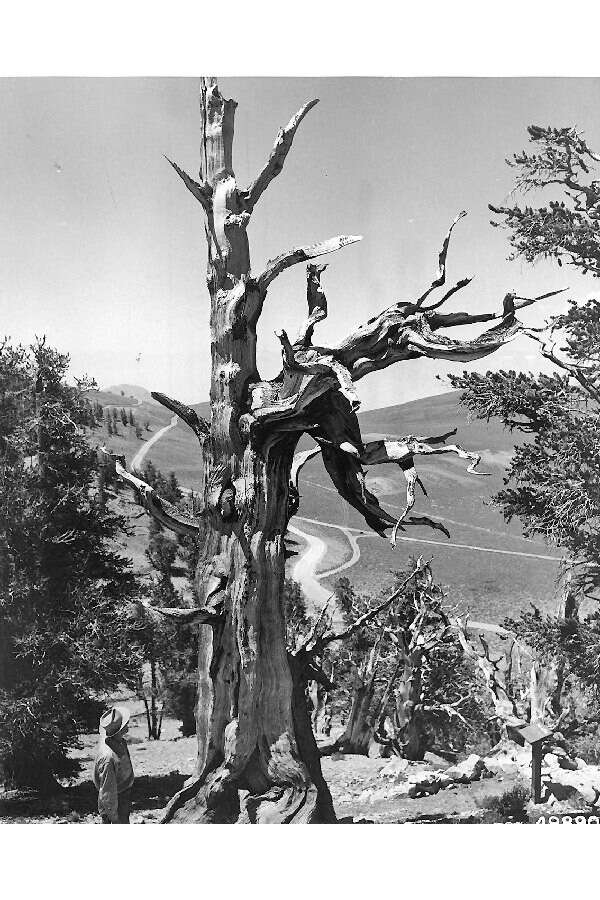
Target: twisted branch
159, 508
317, 303
441, 278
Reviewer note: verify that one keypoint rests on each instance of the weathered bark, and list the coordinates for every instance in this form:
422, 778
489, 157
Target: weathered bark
409, 736
364, 711
257, 759
320, 717
543, 687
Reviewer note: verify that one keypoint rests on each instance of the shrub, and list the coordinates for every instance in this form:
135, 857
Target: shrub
511, 806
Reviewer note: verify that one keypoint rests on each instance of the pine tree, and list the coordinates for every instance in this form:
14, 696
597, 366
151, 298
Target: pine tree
180, 667
156, 634
64, 639
123, 417
174, 493
552, 484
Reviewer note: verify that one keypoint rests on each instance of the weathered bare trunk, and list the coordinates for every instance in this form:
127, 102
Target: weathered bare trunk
257, 758
404, 732
154, 715
409, 737
358, 732
320, 716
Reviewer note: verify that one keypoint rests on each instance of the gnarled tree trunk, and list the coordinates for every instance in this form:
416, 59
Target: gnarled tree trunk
364, 710
253, 765
257, 757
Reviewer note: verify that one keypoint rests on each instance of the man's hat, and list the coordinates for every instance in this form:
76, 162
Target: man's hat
114, 721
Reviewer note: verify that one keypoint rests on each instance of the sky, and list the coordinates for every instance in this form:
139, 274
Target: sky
103, 248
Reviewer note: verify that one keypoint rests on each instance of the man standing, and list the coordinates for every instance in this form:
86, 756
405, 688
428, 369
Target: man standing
113, 772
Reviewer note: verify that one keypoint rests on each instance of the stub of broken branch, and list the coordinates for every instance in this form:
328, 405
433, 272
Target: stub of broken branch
202, 192
187, 616
182, 615
199, 426
300, 459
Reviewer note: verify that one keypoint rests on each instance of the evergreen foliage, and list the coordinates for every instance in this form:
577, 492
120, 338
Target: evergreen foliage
552, 484
64, 642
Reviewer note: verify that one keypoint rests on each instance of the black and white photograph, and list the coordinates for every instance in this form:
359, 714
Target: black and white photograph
299, 466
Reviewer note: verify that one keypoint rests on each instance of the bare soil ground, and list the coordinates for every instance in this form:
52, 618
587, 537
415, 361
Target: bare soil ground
161, 768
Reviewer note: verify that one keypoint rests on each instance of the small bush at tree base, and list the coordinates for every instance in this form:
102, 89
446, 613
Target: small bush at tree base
511, 806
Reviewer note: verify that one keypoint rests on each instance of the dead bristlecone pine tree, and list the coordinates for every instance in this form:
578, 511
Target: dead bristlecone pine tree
257, 757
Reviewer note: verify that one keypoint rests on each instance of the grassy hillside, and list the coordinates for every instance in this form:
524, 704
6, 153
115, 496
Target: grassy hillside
489, 583
178, 446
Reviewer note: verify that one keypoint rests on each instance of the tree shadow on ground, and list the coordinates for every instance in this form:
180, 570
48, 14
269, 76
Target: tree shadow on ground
149, 792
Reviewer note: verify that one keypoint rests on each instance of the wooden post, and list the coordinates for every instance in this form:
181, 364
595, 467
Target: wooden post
536, 771
533, 734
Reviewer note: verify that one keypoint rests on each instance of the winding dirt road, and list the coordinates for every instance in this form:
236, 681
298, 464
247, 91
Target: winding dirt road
304, 569
138, 459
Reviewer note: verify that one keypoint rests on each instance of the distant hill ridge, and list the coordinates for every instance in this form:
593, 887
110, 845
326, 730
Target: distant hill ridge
130, 390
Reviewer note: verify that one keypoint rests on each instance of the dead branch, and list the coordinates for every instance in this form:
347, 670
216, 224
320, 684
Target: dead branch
373, 613
441, 278
159, 508
199, 426
317, 303
202, 192
287, 351
274, 164
407, 331
496, 673
301, 254
402, 452
300, 459
453, 290
143, 611
293, 491
349, 480
575, 371
322, 621
185, 616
